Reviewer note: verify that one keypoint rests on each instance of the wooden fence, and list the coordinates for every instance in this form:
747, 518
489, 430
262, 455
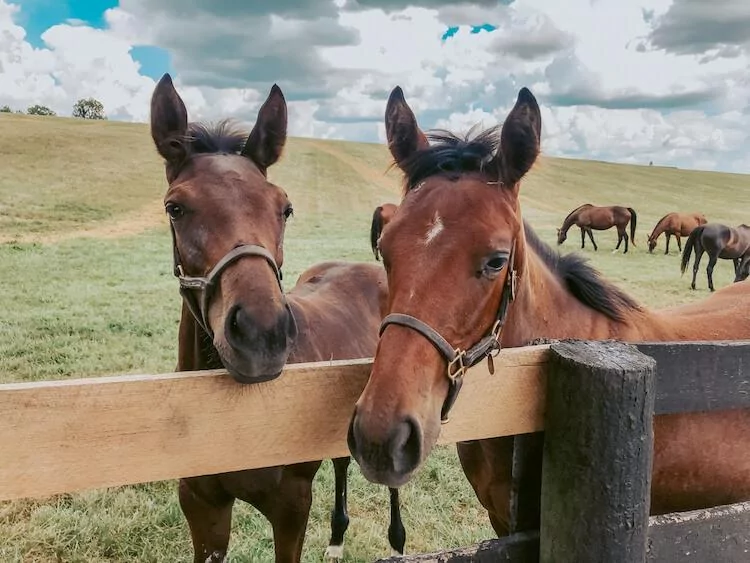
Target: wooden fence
70, 435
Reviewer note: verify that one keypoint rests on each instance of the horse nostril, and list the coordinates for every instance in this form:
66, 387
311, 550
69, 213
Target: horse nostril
406, 446
350, 438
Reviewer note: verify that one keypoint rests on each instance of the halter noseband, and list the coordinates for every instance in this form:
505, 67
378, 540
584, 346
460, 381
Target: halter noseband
206, 285
461, 360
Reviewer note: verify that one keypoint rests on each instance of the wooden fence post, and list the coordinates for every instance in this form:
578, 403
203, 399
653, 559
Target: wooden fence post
598, 450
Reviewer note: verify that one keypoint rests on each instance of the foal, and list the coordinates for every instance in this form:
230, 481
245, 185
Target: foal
466, 276
227, 221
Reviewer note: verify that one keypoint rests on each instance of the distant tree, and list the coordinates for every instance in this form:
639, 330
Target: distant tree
6, 109
90, 108
39, 110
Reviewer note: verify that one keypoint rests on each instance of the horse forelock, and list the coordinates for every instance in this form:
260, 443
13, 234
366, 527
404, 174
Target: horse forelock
450, 155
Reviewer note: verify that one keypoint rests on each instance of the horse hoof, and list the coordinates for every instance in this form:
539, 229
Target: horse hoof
335, 551
396, 553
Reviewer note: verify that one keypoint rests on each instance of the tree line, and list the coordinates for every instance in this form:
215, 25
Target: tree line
85, 108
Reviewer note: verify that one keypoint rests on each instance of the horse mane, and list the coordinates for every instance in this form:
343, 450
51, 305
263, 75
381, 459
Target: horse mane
450, 155
583, 280
224, 137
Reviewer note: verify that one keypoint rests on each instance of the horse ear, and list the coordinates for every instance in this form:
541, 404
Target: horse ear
401, 129
520, 138
169, 121
268, 137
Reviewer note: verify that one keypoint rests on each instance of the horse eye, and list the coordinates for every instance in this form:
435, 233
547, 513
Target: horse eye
497, 262
288, 212
174, 211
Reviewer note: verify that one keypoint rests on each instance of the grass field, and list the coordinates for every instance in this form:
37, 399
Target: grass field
85, 266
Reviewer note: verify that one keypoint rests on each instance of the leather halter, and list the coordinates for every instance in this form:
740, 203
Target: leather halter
206, 285
461, 360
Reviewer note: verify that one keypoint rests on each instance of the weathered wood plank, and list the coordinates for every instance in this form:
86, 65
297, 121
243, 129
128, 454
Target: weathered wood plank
64, 436
719, 535
598, 450
700, 376
518, 548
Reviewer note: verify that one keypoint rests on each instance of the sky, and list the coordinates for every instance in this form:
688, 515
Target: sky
662, 81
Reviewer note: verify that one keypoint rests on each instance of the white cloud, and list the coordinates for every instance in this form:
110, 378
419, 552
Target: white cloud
616, 80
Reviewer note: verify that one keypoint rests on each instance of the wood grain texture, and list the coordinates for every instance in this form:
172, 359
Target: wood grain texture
598, 452
64, 436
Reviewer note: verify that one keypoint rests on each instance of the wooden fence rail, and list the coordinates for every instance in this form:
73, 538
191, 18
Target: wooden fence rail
65, 436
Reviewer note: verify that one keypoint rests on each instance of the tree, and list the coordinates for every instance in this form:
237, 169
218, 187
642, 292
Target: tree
6, 109
90, 108
39, 110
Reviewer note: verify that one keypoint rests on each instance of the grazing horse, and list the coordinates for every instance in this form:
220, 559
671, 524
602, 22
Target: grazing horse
719, 241
590, 217
677, 225
466, 275
380, 218
227, 221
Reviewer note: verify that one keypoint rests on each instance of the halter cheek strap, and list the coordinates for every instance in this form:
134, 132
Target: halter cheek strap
460, 360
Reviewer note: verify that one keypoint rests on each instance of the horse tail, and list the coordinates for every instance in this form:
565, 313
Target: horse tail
633, 219
692, 241
376, 229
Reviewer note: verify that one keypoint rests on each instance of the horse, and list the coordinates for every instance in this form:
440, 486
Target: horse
467, 276
380, 218
227, 222
677, 225
719, 241
590, 217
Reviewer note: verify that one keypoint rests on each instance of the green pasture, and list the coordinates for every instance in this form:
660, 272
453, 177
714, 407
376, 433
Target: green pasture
87, 289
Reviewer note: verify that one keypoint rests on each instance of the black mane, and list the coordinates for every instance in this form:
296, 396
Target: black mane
451, 155
224, 137
583, 281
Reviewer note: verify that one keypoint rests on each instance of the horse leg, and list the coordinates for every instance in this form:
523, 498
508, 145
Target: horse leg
696, 264
583, 237
591, 236
679, 244
488, 465
208, 510
396, 530
710, 271
339, 516
626, 238
290, 511
668, 237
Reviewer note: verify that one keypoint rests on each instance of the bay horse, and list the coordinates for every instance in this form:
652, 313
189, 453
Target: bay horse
467, 275
677, 225
719, 241
593, 218
227, 222
380, 218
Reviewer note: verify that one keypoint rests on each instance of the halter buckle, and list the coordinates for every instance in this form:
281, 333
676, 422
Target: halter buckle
456, 367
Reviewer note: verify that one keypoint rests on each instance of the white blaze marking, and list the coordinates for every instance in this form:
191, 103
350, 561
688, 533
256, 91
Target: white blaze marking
434, 230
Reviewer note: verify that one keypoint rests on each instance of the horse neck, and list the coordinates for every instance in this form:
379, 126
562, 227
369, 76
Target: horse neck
570, 219
658, 229
545, 308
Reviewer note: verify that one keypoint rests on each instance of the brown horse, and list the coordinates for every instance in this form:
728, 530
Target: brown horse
228, 221
466, 274
592, 218
380, 218
719, 241
677, 225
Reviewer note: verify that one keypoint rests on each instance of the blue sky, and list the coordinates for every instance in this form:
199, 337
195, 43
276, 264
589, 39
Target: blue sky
36, 16
652, 80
